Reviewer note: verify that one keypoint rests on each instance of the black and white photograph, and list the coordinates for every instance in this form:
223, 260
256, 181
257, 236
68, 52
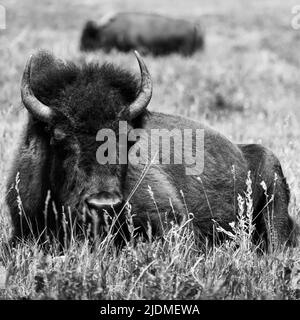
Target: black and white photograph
149, 151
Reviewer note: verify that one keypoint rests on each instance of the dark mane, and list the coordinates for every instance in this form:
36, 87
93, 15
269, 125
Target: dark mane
48, 82
86, 93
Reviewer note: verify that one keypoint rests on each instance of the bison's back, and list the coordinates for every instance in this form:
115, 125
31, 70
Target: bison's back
145, 32
210, 194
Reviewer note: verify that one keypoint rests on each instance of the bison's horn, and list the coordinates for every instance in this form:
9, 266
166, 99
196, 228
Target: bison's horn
145, 93
32, 104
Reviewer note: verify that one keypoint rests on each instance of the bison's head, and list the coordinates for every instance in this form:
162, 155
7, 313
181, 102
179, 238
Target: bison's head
90, 37
70, 105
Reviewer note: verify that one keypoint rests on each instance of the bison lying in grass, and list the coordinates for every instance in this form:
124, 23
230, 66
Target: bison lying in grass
57, 175
148, 33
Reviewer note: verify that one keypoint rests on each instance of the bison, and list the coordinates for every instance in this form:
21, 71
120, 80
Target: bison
147, 33
56, 176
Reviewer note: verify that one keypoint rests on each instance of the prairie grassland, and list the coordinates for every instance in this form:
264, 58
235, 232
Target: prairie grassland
245, 84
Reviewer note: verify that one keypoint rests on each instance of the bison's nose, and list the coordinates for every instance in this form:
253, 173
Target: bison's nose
103, 200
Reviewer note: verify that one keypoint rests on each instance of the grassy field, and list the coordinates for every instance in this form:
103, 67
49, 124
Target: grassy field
245, 84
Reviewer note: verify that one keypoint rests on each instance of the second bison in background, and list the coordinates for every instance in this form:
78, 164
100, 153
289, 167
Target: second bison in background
148, 33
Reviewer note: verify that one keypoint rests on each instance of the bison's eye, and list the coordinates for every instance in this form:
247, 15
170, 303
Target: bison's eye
58, 136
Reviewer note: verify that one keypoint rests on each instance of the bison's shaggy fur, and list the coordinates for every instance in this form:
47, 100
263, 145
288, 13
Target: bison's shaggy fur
61, 158
91, 93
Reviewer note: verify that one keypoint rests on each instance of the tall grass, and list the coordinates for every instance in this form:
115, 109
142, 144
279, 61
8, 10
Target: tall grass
169, 267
